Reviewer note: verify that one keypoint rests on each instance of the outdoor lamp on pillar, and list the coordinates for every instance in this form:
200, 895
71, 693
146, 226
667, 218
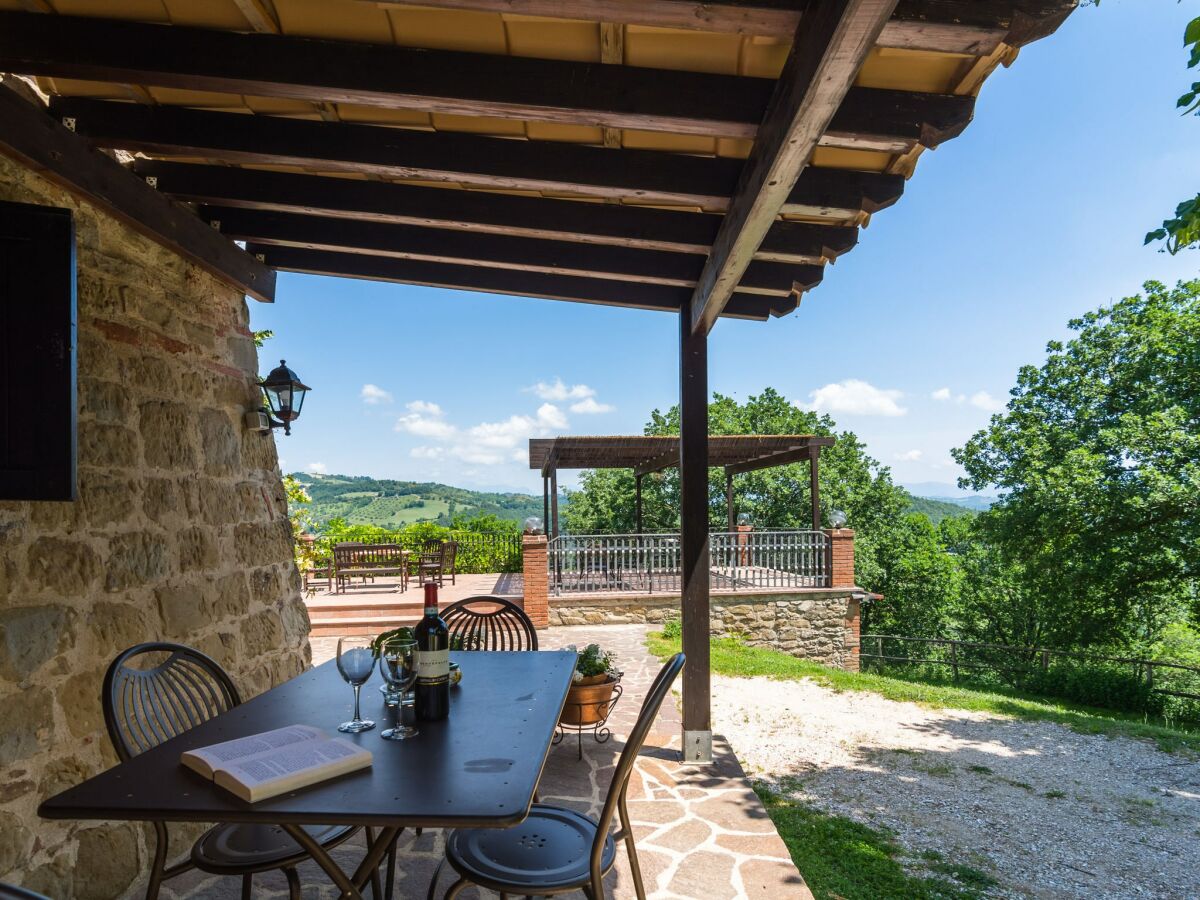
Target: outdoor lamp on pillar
534, 525
743, 518
837, 519
285, 396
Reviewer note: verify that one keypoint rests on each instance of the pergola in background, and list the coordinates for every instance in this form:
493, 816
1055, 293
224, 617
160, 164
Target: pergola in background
645, 455
701, 158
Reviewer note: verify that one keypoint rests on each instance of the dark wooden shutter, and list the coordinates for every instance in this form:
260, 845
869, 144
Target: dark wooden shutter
37, 353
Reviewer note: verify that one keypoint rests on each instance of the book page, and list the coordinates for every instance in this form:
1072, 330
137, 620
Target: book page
207, 760
290, 767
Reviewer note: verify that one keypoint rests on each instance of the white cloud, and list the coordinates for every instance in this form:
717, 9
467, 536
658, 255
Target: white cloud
944, 395
557, 391
317, 468
550, 416
374, 394
427, 452
985, 401
425, 420
909, 455
588, 407
857, 398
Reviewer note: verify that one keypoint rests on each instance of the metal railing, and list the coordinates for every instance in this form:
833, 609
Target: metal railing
650, 563
478, 552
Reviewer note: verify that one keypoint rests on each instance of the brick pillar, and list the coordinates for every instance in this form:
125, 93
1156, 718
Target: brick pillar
841, 557
743, 542
852, 661
537, 579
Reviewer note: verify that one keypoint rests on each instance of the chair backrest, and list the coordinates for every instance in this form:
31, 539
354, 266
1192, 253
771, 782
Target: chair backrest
633, 746
164, 697
449, 552
12, 892
367, 555
490, 623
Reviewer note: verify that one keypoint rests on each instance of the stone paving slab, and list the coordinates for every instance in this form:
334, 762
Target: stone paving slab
702, 833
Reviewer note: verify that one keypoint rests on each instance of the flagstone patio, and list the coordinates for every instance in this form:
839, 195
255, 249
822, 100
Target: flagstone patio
701, 831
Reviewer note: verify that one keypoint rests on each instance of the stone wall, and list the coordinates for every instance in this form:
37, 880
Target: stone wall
816, 624
179, 533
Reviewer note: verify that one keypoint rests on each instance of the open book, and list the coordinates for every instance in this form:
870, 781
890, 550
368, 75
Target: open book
265, 765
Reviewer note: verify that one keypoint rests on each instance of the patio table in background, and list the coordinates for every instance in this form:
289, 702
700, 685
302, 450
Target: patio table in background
480, 767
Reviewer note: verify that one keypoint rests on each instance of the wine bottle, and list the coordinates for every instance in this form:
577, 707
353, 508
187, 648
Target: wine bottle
433, 661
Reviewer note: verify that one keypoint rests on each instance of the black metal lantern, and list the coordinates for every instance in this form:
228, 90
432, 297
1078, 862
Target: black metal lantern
285, 395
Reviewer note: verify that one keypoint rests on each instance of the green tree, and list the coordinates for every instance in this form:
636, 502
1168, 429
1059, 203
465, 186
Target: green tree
1183, 229
1098, 462
919, 581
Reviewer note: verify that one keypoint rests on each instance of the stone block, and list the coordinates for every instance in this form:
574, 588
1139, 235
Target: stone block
31, 636
79, 699
222, 449
110, 446
105, 500
15, 842
108, 856
135, 559
197, 550
261, 633
218, 503
28, 723
261, 544
230, 597
266, 586
106, 401
168, 442
184, 608
65, 566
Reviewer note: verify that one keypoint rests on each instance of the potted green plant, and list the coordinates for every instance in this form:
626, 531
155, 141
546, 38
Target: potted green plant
589, 697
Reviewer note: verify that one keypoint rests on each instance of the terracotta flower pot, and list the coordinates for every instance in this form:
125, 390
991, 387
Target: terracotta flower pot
588, 699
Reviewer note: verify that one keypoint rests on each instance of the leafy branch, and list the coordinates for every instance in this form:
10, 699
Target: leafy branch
1183, 231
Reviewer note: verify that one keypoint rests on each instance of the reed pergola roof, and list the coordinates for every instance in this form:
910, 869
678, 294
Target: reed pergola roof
662, 154
646, 454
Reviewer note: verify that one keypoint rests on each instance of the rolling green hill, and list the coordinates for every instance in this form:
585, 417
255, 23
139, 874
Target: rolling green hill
362, 500
937, 510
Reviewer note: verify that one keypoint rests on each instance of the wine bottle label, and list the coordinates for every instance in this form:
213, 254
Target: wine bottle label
433, 665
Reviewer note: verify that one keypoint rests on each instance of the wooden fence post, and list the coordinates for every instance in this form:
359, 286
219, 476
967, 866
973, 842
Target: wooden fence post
954, 658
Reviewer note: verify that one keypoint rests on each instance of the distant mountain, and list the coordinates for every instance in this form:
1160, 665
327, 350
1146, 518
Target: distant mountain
937, 508
363, 500
977, 502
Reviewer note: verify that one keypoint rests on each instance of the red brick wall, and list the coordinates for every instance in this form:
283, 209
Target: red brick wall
841, 557
537, 579
852, 661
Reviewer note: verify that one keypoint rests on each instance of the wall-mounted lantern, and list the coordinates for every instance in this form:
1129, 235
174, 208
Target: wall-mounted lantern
285, 396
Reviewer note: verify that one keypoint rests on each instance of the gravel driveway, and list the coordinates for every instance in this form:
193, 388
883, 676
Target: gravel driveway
1046, 811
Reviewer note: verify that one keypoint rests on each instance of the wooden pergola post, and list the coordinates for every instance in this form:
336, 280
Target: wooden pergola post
694, 550
814, 454
731, 513
554, 502
637, 492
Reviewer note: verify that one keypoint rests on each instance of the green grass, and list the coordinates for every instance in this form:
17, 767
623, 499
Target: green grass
732, 657
845, 860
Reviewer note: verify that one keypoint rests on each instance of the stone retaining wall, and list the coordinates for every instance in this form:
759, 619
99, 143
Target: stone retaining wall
816, 624
179, 533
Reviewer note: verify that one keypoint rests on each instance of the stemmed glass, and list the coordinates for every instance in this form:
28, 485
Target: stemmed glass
356, 662
398, 663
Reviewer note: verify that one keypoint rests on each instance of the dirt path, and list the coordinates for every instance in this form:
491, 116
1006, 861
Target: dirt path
1046, 811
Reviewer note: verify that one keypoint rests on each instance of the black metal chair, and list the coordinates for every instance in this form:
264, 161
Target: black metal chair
485, 622
12, 892
143, 707
556, 850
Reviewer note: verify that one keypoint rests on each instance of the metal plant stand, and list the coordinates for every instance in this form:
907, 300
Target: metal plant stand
599, 729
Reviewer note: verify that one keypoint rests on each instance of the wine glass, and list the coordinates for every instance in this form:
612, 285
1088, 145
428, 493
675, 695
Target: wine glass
356, 662
398, 663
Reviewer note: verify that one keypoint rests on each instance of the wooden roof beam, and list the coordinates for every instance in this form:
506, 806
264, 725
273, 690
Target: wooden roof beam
439, 81
658, 463
498, 251
831, 43
800, 454
634, 295
39, 141
643, 176
481, 212
972, 27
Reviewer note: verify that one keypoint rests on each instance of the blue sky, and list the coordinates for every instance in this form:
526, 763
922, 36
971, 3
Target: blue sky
1034, 215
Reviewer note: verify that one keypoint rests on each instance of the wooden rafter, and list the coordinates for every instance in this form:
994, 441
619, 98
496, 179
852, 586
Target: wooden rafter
643, 176
494, 250
482, 212
974, 27
637, 295
438, 81
831, 43
29, 135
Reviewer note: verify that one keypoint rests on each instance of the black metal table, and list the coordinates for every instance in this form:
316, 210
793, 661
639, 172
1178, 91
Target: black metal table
479, 768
